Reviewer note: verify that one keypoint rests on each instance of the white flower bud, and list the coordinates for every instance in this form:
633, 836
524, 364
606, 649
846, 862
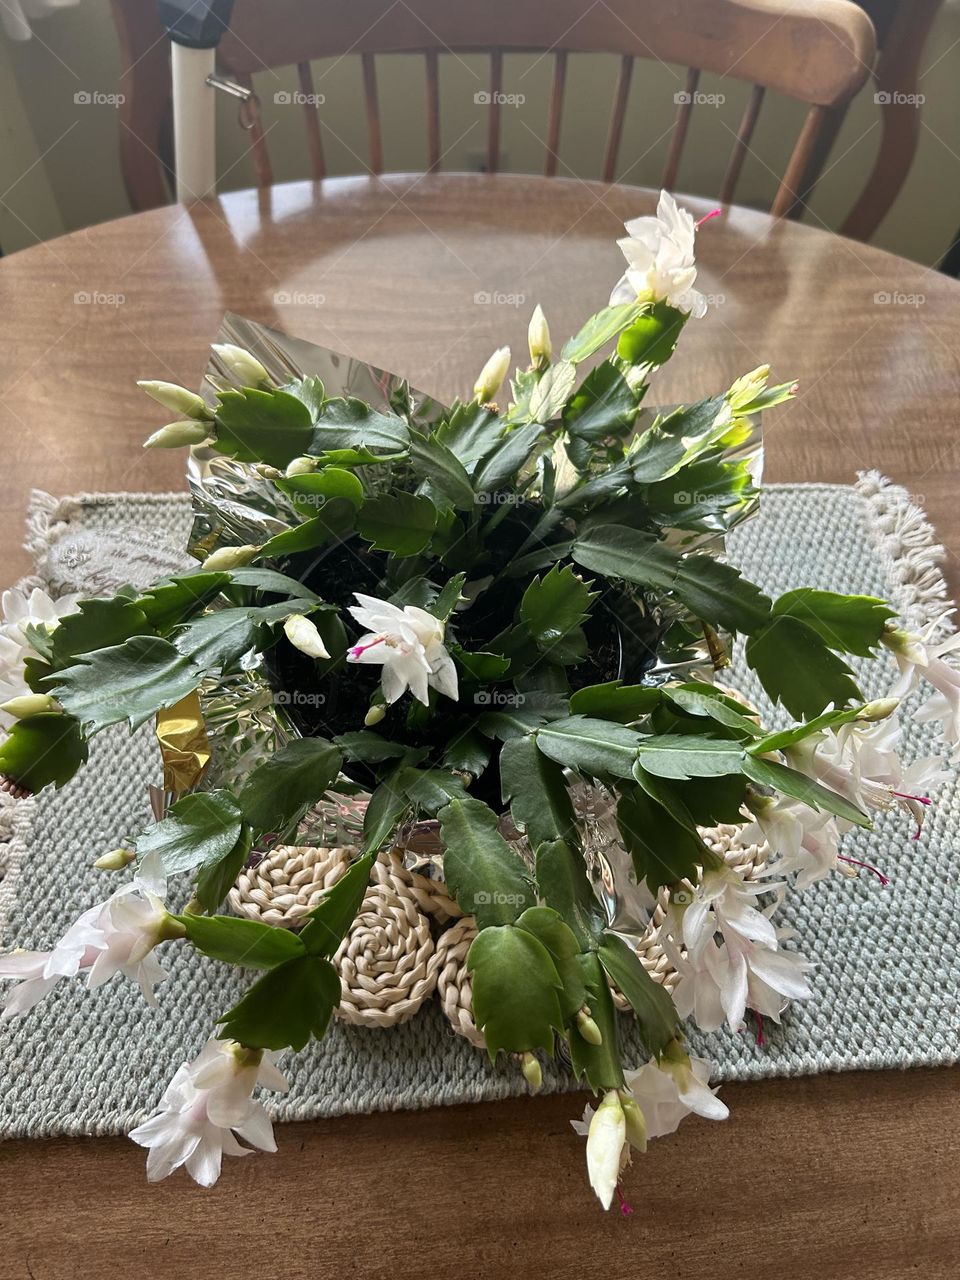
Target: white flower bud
492, 375
538, 337
229, 558
605, 1140
879, 709
30, 704
588, 1028
241, 365
375, 714
303, 635
179, 399
301, 467
635, 1122
177, 435
115, 860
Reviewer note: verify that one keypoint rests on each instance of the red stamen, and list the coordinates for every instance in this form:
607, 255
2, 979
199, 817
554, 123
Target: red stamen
855, 862
714, 213
626, 1208
357, 649
761, 1038
905, 795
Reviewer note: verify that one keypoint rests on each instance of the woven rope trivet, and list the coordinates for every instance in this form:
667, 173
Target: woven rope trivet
388, 962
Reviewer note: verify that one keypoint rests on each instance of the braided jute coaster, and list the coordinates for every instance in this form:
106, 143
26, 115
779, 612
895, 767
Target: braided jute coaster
410, 939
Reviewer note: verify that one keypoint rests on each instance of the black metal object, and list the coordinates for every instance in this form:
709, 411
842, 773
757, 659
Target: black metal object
198, 24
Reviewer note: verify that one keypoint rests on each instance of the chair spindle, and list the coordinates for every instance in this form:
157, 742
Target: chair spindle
556, 113
433, 110
617, 117
372, 100
680, 127
742, 144
312, 121
493, 122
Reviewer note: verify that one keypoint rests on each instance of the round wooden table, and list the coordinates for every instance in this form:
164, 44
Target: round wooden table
831, 1176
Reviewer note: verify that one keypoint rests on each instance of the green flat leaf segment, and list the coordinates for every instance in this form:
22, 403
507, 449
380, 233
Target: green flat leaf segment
262, 426
485, 873
129, 681
199, 830
656, 1014
852, 624
43, 750
247, 943
399, 522
287, 1006
516, 990
535, 789
796, 666
278, 792
601, 329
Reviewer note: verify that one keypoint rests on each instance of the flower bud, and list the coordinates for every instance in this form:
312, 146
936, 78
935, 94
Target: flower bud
229, 558
588, 1028
177, 435
301, 467
179, 399
115, 860
170, 928
531, 1071
374, 715
605, 1140
303, 635
30, 704
538, 337
879, 709
492, 375
241, 365
634, 1120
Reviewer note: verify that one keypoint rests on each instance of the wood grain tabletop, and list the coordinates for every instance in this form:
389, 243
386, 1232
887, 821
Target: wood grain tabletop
822, 1178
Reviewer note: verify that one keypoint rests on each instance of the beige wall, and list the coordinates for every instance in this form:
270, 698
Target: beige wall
59, 169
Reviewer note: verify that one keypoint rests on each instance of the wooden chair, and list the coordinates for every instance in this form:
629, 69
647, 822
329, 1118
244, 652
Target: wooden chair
818, 51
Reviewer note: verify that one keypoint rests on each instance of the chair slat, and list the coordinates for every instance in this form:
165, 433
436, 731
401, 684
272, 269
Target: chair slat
433, 109
556, 113
312, 120
372, 101
680, 126
742, 144
258, 139
493, 122
816, 136
617, 117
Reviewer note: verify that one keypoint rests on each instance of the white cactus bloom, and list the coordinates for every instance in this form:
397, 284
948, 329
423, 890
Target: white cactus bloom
116, 936
660, 256
206, 1107
408, 644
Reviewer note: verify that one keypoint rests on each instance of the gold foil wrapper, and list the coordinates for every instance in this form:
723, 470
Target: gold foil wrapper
184, 746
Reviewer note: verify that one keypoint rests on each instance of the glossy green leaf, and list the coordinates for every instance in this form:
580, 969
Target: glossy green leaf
561, 943
399, 522
168, 604
130, 681
247, 943
689, 755
42, 750
601, 329
199, 830
369, 747
498, 470
279, 791
262, 426
97, 624
790, 782
597, 748
315, 488
215, 879
604, 405
433, 461
516, 990
656, 1014
348, 423
485, 873
552, 391
563, 884
796, 667
652, 338
555, 606
334, 520
599, 1063
615, 701
852, 624
287, 1006
536, 791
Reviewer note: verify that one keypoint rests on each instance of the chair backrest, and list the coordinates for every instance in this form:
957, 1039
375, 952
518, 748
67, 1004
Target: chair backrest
817, 51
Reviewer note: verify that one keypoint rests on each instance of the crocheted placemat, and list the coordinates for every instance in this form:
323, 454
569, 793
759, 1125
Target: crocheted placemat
886, 987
